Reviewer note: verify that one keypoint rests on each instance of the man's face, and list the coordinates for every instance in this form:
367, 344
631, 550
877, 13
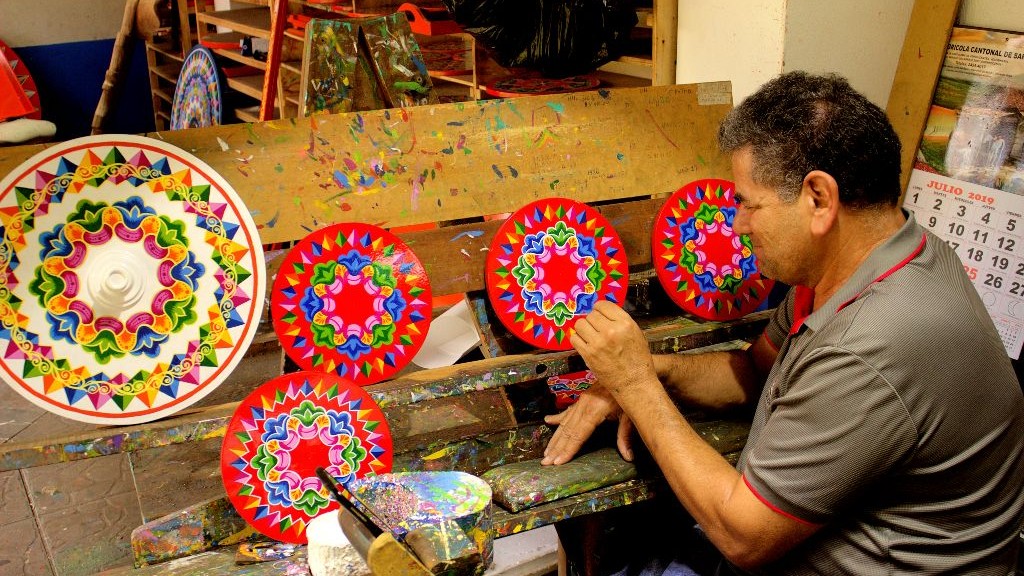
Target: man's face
777, 230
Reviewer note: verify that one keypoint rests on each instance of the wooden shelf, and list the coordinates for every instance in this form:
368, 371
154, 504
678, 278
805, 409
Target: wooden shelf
248, 21
168, 72
168, 50
237, 57
248, 85
164, 95
461, 79
248, 114
295, 67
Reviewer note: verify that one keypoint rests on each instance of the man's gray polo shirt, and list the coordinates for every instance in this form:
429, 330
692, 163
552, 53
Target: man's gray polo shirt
892, 416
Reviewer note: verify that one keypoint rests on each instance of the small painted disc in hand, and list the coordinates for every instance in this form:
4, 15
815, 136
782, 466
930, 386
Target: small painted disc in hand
549, 263
705, 267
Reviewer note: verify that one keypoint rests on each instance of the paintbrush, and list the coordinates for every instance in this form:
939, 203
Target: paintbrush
332, 486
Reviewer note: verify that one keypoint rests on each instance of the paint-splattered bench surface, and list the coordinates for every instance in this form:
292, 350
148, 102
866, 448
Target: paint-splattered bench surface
443, 179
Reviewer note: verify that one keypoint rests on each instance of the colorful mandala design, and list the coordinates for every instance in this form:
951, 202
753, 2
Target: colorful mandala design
352, 299
72, 311
282, 432
550, 262
568, 387
197, 95
705, 267
131, 279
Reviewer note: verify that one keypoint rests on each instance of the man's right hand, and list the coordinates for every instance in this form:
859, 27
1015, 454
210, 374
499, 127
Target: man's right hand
577, 423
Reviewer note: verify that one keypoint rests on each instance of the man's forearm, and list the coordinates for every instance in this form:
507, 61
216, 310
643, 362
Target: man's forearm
715, 380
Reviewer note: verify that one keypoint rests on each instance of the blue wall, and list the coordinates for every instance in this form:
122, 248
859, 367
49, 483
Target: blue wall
69, 77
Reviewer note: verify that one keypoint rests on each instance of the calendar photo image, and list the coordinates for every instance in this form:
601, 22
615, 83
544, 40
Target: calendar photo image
967, 183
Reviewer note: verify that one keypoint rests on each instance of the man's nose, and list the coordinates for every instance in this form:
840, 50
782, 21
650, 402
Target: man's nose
741, 223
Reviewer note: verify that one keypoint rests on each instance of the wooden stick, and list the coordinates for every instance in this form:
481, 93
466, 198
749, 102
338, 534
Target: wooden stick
110, 80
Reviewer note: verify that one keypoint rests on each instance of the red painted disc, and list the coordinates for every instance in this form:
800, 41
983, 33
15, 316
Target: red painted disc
282, 432
704, 266
549, 263
351, 299
568, 387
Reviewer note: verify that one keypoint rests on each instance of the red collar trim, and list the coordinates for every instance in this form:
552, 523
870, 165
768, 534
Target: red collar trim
886, 274
803, 305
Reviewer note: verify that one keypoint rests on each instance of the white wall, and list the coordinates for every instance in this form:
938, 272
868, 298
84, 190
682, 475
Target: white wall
860, 40
751, 41
729, 40
43, 22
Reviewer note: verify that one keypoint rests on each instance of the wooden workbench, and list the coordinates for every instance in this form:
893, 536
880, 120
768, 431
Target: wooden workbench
456, 162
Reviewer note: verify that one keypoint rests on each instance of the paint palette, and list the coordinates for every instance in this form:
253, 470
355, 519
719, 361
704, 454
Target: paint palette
197, 95
568, 387
282, 432
438, 514
131, 279
705, 267
351, 299
549, 263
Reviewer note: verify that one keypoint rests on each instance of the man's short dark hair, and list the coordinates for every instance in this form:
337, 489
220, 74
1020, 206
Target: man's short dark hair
801, 122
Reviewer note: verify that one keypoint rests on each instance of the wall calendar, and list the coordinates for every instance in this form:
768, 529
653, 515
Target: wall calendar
967, 185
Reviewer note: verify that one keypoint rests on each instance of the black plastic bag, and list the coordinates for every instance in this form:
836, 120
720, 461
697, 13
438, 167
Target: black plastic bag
558, 37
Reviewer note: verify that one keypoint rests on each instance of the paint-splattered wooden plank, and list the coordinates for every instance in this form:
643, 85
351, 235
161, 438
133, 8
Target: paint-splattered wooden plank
194, 529
187, 427
478, 454
218, 562
724, 436
527, 484
454, 256
417, 387
674, 337
451, 161
622, 494
448, 419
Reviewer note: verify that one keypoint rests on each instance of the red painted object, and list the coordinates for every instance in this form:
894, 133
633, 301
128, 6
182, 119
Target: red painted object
549, 263
568, 387
18, 94
282, 432
705, 267
351, 299
536, 85
429, 21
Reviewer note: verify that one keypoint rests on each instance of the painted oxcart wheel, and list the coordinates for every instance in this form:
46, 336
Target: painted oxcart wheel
549, 263
197, 95
354, 300
705, 267
282, 432
131, 279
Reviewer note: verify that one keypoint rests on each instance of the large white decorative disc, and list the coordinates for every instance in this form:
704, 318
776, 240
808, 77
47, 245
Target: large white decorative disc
131, 279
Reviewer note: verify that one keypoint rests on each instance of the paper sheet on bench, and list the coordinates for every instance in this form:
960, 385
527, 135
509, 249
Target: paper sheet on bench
451, 335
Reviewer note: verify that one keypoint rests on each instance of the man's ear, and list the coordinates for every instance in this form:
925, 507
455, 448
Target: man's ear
820, 193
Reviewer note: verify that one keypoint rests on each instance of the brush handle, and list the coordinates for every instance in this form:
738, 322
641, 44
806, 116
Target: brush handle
347, 504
